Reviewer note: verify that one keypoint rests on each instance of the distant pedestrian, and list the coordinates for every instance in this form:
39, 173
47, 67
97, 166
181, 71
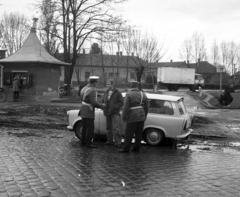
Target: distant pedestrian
113, 101
87, 111
226, 97
135, 110
16, 85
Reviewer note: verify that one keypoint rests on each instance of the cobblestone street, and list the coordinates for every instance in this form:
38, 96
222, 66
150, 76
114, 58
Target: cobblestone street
52, 163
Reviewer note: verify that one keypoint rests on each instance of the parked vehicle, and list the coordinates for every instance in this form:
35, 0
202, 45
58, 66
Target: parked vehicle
167, 118
173, 78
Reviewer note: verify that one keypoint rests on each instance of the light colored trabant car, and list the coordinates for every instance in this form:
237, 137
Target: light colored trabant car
167, 118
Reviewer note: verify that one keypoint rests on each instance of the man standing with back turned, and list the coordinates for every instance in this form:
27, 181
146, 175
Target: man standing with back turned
135, 110
87, 111
113, 101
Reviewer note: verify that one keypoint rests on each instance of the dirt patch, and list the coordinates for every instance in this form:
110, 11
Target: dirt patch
36, 117
202, 120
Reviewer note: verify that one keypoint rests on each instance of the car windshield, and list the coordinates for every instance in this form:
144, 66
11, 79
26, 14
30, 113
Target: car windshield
181, 107
160, 107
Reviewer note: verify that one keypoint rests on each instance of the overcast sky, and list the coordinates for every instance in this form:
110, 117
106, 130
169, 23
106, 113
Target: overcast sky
172, 20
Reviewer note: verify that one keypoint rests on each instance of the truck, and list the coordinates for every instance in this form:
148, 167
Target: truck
173, 78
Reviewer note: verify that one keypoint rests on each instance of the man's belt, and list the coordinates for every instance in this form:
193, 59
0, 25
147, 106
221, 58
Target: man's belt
89, 105
137, 107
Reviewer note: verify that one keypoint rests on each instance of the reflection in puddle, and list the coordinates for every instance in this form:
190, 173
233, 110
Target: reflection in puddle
212, 147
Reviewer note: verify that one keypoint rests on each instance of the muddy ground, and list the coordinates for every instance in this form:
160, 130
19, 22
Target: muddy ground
50, 121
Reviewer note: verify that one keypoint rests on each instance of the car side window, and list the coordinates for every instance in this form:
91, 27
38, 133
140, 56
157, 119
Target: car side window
160, 107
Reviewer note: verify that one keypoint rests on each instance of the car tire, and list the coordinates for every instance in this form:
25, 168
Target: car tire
154, 137
78, 130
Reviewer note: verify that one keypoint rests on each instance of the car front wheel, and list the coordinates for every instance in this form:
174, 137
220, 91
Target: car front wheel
154, 136
78, 130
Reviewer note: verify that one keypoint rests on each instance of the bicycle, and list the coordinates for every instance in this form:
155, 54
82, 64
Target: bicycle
3, 95
63, 90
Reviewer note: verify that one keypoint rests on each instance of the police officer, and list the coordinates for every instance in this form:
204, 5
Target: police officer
135, 110
87, 111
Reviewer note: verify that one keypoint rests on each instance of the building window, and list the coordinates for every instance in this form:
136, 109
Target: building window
110, 74
132, 75
117, 74
87, 75
25, 78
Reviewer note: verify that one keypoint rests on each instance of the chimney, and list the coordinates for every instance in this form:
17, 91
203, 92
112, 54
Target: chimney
83, 51
170, 60
33, 29
117, 53
198, 63
120, 53
132, 53
187, 61
2, 54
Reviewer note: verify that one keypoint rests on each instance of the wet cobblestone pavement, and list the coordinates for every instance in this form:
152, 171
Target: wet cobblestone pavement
52, 163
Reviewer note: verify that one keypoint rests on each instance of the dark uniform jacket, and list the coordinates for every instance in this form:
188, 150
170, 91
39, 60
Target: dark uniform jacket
88, 96
133, 99
114, 104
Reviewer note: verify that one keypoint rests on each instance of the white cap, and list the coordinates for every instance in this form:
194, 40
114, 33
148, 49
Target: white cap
94, 77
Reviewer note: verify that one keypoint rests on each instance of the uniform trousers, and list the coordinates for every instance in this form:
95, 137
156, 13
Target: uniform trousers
87, 130
133, 128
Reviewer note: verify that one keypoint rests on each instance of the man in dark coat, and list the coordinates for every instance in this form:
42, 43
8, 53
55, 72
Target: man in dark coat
87, 111
135, 110
16, 85
113, 101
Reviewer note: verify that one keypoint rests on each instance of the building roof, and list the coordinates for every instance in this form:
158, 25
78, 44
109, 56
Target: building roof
32, 51
203, 67
107, 60
170, 64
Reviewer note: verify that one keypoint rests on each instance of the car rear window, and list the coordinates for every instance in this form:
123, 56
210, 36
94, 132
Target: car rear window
160, 107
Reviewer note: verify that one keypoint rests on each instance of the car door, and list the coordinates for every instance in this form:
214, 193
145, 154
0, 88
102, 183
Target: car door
163, 115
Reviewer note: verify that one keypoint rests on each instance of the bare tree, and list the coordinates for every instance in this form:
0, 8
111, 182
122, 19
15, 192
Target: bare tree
147, 48
224, 53
14, 28
199, 50
186, 50
88, 19
232, 57
49, 29
215, 53
126, 38
77, 21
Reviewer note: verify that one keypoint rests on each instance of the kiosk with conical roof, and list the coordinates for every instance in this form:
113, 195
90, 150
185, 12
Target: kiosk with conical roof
38, 71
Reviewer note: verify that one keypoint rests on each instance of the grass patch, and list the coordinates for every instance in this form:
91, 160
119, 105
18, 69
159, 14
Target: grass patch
197, 96
214, 101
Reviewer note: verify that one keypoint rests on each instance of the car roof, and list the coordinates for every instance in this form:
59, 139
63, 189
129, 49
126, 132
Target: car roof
160, 97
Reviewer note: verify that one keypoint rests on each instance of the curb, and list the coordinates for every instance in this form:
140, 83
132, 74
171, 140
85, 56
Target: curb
204, 102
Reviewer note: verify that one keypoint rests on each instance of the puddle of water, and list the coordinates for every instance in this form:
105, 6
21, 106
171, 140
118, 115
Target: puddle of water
234, 143
212, 147
231, 151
